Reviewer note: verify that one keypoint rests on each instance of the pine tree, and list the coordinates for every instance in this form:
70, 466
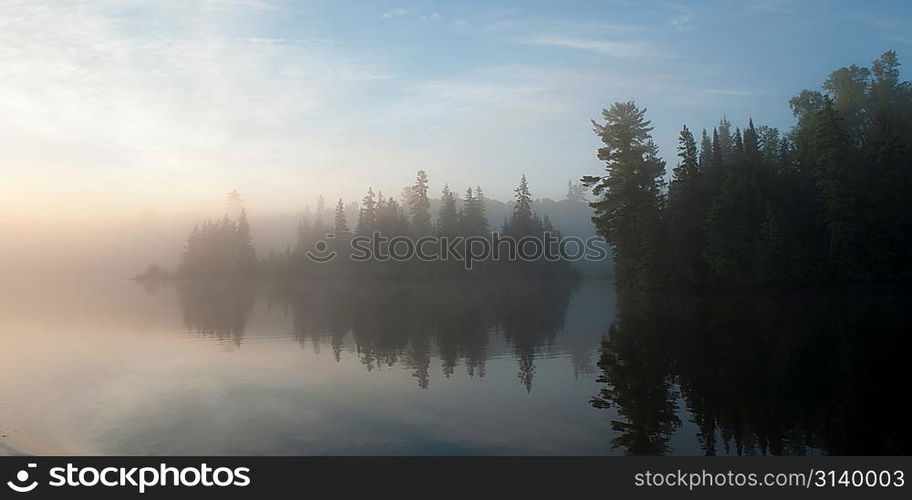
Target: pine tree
367, 216
737, 149
887, 178
715, 171
688, 168
472, 218
482, 211
391, 219
687, 211
833, 179
629, 196
189, 263
341, 224
420, 205
245, 256
522, 221
732, 231
448, 219
726, 141
705, 152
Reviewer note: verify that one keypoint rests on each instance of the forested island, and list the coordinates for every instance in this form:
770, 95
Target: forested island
827, 203
326, 248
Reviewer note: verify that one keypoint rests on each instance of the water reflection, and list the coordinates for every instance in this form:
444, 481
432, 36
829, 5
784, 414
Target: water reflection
758, 375
393, 323
217, 310
519, 368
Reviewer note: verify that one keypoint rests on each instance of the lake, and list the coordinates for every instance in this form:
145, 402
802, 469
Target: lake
463, 368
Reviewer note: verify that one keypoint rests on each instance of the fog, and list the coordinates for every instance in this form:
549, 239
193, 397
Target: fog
57, 246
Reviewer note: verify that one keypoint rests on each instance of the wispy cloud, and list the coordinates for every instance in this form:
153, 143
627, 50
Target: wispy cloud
619, 49
84, 90
682, 22
396, 12
432, 17
560, 27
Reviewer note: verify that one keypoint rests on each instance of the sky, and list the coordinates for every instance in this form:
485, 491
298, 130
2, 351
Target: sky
119, 106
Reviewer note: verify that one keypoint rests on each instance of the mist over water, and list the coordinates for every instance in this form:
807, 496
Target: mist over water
229, 368
373, 367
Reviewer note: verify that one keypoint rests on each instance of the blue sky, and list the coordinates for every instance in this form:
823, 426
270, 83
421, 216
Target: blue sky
151, 104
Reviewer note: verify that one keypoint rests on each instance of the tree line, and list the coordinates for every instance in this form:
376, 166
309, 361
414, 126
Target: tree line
827, 202
225, 248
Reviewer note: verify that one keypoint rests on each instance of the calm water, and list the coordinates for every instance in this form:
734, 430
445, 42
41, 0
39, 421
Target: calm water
111, 367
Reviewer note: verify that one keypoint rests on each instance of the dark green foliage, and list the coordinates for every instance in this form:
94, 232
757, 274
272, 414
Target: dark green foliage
629, 195
705, 157
828, 203
836, 198
686, 205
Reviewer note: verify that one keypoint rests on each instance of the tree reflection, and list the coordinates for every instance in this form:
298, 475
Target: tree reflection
217, 309
785, 375
639, 382
392, 323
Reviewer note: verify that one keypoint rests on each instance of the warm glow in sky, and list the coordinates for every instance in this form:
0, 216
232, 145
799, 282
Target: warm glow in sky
113, 105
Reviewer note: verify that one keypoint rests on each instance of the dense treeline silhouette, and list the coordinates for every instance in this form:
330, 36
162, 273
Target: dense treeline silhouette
225, 248
829, 202
220, 249
779, 375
